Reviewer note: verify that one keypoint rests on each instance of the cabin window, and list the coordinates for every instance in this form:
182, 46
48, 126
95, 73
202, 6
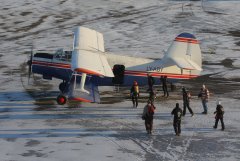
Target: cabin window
63, 55
43, 55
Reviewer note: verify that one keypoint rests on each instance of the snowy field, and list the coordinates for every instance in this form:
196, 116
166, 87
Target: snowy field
33, 127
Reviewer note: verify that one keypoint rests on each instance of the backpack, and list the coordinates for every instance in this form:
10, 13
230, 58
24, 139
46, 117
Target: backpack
179, 114
221, 110
150, 110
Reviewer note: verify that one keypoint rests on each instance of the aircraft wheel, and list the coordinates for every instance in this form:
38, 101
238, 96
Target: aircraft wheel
62, 86
61, 99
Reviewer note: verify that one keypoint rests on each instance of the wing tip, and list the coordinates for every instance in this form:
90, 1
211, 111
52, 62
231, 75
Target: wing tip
79, 99
187, 37
87, 71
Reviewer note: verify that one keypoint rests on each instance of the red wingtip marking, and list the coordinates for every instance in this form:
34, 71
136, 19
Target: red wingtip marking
79, 99
82, 70
181, 39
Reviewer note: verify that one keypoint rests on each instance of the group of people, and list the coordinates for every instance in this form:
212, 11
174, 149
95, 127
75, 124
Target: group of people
177, 112
134, 92
163, 80
204, 95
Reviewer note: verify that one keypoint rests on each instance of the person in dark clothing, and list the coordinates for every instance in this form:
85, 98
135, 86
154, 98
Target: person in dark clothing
163, 79
152, 96
177, 112
134, 93
186, 101
147, 115
151, 82
204, 95
219, 115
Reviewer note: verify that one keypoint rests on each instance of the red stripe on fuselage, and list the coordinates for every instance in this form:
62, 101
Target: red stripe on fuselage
156, 74
49, 64
68, 66
188, 40
127, 72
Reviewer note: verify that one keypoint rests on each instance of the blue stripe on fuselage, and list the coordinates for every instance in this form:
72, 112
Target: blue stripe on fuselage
59, 73
65, 74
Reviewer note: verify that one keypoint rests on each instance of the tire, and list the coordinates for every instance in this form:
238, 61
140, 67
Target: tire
61, 99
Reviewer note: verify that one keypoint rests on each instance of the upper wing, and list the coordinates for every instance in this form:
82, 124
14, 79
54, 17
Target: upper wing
88, 55
88, 39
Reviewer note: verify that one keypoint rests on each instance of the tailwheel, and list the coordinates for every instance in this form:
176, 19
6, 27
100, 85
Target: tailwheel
61, 99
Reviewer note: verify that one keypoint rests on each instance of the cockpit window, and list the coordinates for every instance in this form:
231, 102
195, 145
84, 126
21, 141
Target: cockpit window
63, 55
43, 55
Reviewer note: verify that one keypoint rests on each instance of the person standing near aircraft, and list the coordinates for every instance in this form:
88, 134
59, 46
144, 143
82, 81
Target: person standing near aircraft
219, 115
152, 95
204, 95
177, 112
186, 101
134, 93
147, 115
163, 79
151, 82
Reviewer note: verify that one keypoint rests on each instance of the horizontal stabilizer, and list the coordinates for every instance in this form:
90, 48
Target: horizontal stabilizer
183, 63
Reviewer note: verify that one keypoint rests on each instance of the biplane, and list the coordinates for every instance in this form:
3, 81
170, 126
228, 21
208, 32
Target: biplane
88, 66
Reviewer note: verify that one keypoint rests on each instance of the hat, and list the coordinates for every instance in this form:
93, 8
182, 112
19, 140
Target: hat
177, 105
135, 82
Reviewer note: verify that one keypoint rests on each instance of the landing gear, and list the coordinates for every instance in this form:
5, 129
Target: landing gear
61, 99
62, 86
173, 87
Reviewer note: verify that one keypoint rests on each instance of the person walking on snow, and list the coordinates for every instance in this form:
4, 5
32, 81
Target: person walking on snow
177, 113
204, 95
219, 115
147, 115
186, 101
151, 82
134, 93
152, 96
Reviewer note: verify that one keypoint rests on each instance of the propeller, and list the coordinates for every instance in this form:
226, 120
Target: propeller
30, 64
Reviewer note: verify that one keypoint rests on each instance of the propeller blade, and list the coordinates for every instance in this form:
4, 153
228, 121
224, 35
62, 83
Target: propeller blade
30, 65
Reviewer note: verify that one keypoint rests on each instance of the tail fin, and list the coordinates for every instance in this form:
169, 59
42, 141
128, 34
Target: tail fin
184, 52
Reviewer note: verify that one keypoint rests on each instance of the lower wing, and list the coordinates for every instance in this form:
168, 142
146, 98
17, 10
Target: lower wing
74, 94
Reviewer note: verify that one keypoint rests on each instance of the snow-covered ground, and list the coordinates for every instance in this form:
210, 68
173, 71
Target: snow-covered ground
40, 130
115, 132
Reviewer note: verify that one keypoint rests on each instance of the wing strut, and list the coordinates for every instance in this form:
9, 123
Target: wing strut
82, 83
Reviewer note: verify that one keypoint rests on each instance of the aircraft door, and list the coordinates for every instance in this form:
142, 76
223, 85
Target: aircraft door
118, 71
